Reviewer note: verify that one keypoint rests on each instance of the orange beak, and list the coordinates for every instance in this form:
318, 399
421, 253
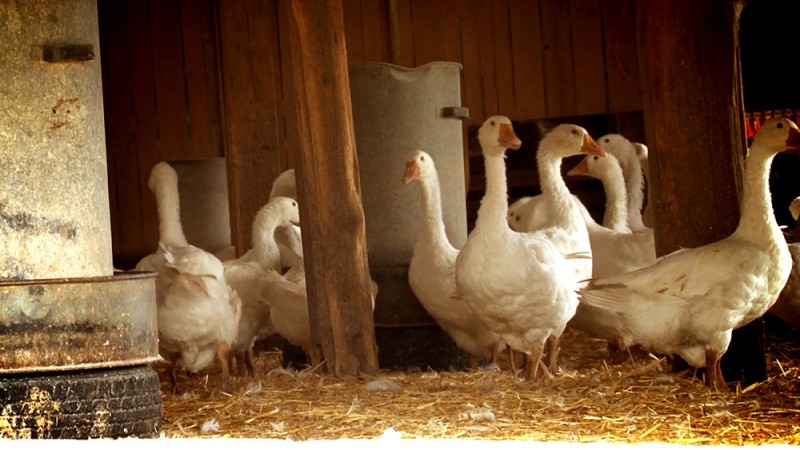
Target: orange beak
591, 147
507, 138
793, 141
581, 169
412, 172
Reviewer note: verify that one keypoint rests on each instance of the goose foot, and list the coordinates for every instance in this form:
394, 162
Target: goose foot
714, 378
223, 352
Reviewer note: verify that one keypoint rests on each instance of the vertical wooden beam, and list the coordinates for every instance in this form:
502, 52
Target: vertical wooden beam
694, 114
693, 117
331, 213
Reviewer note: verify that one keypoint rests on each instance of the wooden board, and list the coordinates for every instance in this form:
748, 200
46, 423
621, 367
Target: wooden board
202, 96
527, 48
161, 102
587, 46
621, 57
124, 188
249, 72
559, 67
144, 137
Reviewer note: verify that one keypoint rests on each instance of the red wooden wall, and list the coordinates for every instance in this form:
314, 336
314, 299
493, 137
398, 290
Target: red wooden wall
162, 102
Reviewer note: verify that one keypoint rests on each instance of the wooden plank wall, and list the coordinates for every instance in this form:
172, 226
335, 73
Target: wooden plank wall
525, 59
250, 75
191, 79
161, 100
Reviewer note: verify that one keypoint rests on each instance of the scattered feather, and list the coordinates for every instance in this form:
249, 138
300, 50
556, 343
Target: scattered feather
384, 385
253, 387
480, 414
210, 426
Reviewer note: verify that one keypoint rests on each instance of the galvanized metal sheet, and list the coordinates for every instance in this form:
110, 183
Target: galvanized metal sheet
74, 323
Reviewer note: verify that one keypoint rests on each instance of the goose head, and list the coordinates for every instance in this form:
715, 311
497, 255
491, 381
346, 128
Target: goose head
287, 210
419, 165
641, 151
620, 146
775, 136
278, 212
496, 135
596, 166
569, 140
162, 174
285, 185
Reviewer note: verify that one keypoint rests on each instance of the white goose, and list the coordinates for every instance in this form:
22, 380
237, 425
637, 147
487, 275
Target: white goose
615, 249
689, 301
244, 275
609, 172
284, 186
557, 214
289, 238
288, 299
787, 308
431, 271
519, 284
626, 154
197, 311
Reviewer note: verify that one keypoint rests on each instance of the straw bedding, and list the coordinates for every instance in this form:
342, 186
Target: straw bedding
590, 400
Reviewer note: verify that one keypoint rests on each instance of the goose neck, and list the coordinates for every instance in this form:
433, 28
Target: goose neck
266, 248
433, 229
634, 185
494, 205
550, 179
757, 222
169, 215
616, 214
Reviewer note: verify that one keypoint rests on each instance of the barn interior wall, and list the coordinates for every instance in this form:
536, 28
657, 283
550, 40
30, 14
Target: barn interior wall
195, 79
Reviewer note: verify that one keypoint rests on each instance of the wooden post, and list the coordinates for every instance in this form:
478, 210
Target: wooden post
694, 118
331, 214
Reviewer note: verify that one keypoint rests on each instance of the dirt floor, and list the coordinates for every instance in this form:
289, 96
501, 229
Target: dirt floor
591, 400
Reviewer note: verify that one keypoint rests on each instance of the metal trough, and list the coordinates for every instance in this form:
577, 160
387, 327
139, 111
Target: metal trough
78, 323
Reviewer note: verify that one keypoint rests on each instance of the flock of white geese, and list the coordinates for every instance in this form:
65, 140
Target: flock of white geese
526, 272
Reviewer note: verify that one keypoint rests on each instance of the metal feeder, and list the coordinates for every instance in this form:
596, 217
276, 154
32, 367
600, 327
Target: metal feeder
65, 314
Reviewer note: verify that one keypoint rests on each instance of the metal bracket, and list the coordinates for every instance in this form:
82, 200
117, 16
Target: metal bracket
456, 112
67, 53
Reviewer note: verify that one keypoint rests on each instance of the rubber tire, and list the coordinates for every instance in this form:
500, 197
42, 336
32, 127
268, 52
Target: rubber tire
103, 403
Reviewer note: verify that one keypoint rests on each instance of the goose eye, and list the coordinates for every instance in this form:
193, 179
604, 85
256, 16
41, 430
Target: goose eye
779, 125
607, 140
294, 204
574, 132
493, 123
595, 158
422, 158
